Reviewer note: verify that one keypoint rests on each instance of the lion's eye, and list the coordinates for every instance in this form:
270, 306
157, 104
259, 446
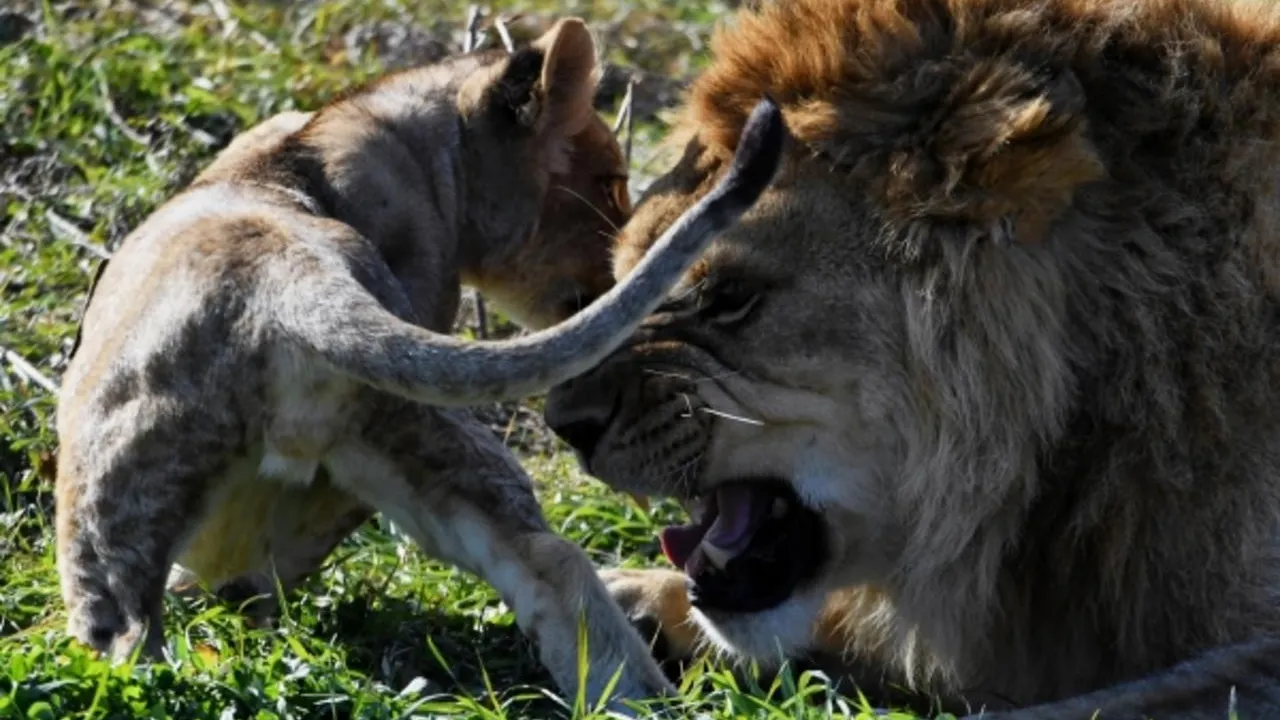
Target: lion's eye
729, 302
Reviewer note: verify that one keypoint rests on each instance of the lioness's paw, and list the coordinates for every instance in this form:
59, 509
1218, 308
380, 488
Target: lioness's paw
657, 604
252, 594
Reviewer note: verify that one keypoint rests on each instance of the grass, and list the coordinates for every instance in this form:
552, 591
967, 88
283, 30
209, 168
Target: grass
105, 109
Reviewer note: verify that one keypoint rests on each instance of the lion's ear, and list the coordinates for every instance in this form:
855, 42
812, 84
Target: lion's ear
1006, 156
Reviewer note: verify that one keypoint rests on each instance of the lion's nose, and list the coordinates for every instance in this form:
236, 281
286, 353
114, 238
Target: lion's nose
579, 412
584, 435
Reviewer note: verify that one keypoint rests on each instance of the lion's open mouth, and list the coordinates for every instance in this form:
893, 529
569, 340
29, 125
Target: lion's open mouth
750, 545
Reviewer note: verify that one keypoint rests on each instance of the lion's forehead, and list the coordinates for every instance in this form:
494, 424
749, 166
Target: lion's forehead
664, 201
651, 218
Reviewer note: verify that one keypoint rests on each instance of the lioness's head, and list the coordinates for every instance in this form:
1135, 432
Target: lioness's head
853, 384
536, 151
568, 263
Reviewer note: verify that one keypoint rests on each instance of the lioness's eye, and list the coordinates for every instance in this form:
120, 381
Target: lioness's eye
729, 302
615, 191
573, 305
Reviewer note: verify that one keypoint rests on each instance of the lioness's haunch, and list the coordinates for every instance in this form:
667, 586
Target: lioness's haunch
983, 395
262, 362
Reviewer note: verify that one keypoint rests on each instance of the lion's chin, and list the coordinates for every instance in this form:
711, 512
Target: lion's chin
769, 637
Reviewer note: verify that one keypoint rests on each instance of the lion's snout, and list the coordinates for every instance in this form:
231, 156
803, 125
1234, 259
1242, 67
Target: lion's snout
580, 412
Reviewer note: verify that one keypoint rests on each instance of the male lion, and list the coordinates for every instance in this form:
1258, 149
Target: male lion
288, 312
984, 392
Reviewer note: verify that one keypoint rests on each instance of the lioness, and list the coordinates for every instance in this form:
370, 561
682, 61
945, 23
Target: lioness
984, 392
288, 312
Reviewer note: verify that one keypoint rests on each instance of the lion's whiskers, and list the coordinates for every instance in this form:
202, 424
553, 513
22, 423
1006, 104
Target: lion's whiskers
709, 410
689, 410
731, 416
589, 204
684, 467
690, 378
667, 374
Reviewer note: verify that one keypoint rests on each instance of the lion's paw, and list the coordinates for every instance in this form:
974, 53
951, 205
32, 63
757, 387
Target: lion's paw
657, 604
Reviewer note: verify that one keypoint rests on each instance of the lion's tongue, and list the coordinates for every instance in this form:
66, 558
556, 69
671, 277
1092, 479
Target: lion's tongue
732, 519
679, 542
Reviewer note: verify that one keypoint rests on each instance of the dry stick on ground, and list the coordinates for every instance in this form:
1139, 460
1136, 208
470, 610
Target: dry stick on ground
230, 25
469, 43
6, 235
112, 114
27, 371
625, 120
223, 13
68, 231
500, 23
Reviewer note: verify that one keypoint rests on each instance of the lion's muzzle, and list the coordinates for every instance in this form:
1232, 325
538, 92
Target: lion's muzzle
750, 546
636, 422
580, 412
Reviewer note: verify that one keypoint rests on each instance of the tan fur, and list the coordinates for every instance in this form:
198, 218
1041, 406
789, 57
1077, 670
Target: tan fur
264, 361
582, 211
1008, 320
658, 597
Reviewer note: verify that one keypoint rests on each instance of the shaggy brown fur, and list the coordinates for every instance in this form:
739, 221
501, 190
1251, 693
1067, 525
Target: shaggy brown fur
1008, 322
288, 312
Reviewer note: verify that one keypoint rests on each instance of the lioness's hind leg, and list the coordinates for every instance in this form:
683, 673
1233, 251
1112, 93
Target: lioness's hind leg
448, 482
120, 516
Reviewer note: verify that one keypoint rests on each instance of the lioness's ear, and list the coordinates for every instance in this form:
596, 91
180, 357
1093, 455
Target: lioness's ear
1005, 158
569, 75
546, 87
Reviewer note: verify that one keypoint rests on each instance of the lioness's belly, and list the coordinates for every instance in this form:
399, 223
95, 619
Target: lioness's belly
259, 524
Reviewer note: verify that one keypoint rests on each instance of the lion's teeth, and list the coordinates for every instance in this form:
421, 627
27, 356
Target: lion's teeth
697, 509
779, 508
717, 556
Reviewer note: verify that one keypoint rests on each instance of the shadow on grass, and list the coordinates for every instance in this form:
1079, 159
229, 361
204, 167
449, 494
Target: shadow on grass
391, 640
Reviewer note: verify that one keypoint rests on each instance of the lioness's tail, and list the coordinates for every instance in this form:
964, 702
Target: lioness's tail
1236, 681
340, 321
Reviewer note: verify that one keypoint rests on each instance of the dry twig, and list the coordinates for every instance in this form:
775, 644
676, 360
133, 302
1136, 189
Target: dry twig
27, 371
500, 23
625, 121
68, 231
114, 115
230, 25
472, 37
